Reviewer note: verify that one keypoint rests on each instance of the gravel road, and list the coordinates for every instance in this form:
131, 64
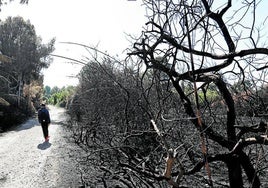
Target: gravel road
27, 161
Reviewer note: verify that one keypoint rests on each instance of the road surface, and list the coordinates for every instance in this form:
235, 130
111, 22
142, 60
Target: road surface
27, 161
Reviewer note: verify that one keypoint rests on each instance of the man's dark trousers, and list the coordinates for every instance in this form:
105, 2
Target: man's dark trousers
45, 129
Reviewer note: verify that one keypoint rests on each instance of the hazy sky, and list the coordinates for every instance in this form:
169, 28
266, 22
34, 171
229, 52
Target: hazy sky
105, 23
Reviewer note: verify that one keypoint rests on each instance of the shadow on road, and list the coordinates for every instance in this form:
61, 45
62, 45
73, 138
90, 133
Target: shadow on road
27, 125
44, 145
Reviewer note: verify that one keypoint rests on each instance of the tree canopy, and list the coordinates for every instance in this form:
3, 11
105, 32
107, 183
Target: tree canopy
23, 56
28, 55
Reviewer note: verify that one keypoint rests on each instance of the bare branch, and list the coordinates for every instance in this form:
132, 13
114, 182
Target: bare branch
171, 157
261, 139
224, 10
261, 127
262, 68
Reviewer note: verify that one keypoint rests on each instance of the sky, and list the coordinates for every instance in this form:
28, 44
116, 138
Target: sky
102, 23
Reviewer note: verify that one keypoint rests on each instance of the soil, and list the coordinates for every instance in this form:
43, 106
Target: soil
26, 160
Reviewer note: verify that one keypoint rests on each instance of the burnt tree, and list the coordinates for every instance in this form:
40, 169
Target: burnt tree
201, 45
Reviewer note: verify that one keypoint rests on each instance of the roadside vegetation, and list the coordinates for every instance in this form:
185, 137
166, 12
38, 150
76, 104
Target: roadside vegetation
22, 57
58, 96
186, 108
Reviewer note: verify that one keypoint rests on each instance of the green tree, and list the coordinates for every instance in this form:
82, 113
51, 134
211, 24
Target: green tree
47, 92
22, 57
29, 56
59, 96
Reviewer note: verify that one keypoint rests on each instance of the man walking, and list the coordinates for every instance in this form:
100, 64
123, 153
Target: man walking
44, 119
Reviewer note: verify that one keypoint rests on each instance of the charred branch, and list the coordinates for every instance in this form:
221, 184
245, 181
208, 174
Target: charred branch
260, 139
221, 24
219, 157
231, 113
261, 127
189, 111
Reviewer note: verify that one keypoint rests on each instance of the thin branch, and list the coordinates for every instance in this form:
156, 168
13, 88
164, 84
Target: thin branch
261, 127
92, 48
260, 139
171, 156
262, 68
68, 58
224, 10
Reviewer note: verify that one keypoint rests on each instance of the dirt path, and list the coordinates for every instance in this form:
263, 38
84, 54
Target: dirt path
27, 161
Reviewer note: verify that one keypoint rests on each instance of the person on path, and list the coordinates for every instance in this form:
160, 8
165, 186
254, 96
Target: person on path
44, 119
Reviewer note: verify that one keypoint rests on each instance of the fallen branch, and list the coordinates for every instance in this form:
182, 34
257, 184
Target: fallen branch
170, 161
260, 139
